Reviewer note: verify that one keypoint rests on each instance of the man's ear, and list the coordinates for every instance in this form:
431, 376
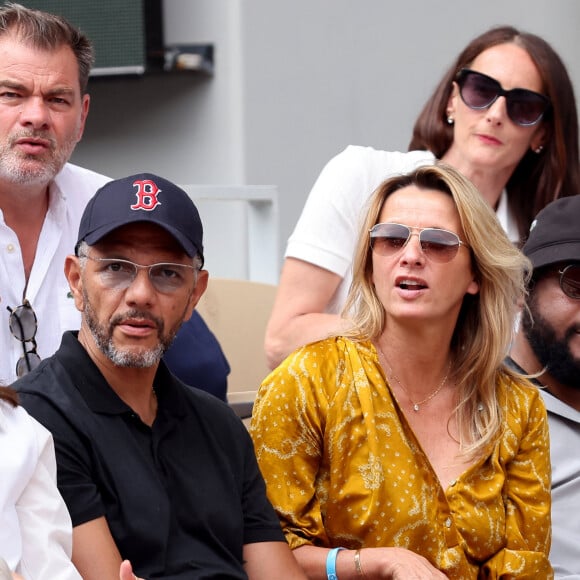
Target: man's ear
73, 274
200, 288
85, 104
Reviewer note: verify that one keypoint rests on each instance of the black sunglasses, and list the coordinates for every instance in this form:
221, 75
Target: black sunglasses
570, 281
478, 91
23, 326
386, 239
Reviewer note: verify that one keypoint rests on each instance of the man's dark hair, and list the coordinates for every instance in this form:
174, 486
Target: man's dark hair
45, 31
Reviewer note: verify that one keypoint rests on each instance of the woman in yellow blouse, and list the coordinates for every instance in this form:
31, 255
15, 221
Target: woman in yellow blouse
407, 449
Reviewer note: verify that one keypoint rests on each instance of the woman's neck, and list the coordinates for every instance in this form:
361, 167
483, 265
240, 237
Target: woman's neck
489, 181
428, 357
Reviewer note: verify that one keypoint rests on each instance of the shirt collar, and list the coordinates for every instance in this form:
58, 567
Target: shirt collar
97, 393
557, 407
553, 404
506, 218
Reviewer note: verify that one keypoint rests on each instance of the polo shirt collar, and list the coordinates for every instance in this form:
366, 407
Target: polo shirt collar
553, 404
97, 393
558, 407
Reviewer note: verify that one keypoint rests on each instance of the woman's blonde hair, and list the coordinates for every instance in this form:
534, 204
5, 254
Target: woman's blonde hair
484, 328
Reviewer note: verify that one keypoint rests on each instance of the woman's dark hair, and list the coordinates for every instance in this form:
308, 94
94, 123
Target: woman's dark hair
539, 178
9, 395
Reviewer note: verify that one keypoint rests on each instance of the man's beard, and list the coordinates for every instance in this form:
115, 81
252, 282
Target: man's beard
552, 352
130, 358
31, 169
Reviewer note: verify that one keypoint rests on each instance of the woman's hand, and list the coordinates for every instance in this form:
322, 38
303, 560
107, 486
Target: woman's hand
126, 571
375, 564
397, 564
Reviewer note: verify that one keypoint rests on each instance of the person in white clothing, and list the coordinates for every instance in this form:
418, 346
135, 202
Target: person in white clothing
35, 526
504, 115
44, 69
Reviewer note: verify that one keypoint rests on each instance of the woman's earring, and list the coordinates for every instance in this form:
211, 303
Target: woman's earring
450, 120
539, 149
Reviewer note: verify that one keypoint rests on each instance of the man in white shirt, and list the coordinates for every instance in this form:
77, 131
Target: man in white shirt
44, 69
548, 345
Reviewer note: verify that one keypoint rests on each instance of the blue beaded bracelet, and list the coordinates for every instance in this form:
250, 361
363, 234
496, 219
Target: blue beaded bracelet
331, 563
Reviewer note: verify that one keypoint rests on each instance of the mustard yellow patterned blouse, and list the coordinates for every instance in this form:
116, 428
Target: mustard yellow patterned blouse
343, 468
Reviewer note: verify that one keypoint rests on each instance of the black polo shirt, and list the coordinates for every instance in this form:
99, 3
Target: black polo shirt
181, 498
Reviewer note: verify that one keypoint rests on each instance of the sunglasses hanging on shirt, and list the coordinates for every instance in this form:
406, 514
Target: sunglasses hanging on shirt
23, 326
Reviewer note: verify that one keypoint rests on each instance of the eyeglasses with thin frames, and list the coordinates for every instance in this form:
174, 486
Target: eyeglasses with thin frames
570, 281
23, 326
166, 277
479, 91
439, 245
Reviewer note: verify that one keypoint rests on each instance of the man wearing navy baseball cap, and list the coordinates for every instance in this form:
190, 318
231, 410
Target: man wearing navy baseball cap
152, 471
548, 345
143, 198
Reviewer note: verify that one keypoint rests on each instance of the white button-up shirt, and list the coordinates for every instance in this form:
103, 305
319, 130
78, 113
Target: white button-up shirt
47, 291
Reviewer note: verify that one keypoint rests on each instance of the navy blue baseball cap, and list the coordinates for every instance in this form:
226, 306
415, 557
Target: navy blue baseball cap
555, 233
143, 198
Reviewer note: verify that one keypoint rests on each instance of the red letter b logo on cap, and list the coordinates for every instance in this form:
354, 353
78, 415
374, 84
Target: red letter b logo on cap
146, 194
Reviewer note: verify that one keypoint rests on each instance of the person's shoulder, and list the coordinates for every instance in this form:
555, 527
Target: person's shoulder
388, 161
38, 380
322, 369
358, 170
513, 380
198, 397
557, 407
78, 182
330, 351
17, 423
13, 417
70, 171
204, 403
520, 397
339, 343
47, 389
213, 418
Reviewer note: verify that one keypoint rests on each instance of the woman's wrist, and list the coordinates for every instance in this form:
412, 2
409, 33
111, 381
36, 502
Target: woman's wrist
331, 563
358, 564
